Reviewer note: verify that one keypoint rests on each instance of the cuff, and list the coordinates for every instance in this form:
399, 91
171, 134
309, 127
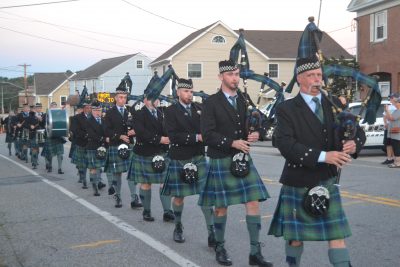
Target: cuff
322, 156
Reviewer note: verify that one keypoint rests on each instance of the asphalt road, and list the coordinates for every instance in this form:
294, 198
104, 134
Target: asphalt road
48, 220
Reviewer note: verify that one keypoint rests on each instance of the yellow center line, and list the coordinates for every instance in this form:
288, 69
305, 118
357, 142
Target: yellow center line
96, 244
369, 199
352, 203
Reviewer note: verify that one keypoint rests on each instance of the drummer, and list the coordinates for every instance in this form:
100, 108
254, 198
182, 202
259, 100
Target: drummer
54, 146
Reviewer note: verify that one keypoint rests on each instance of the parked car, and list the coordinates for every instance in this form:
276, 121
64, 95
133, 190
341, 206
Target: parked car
373, 132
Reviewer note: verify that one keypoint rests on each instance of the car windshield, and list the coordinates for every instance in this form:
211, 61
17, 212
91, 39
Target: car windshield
356, 111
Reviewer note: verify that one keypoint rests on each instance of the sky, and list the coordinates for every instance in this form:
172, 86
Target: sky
74, 35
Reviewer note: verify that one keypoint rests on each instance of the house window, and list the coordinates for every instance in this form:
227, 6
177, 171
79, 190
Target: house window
378, 26
273, 70
139, 64
194, 70
63, 100
218, 40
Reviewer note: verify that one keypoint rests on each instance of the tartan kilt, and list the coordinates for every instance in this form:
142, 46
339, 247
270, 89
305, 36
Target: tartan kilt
222, 189
54, 147
92, 161
173, 184
293, 223
141, 171
79, 157
114, 164
9, 138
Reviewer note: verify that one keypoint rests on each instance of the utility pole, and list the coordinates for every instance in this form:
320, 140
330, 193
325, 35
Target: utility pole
319, 12
2, 100
25, 81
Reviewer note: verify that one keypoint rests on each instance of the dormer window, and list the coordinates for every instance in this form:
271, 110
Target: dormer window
218, 40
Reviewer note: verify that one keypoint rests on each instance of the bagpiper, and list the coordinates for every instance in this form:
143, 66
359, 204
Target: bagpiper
120, 143
188, 167
22, 133
232, 178
9, 123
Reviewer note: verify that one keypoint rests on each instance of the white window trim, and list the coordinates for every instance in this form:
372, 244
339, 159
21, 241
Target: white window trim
212, 40
142, 64
277, 77
373, 27
201, 70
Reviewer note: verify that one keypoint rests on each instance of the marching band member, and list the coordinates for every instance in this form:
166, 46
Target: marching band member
148, 164
232, 178
8, 122
116, 129
32, 123
22, 137
188, 167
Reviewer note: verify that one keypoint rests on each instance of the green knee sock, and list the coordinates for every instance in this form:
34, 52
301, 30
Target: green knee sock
93, 177
254, 226
132, 189
177, 212
59, 161
220, 223
165, 201
35, 158
145, 197
208, 213
293, 254
339, 257
110, 178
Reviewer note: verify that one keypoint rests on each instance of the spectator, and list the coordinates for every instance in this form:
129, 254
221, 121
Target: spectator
386, 139
394, 129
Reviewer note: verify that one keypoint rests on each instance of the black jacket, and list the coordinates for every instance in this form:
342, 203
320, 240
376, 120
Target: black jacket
221, 124
300, 137
182, 130
149, 131
95, 132
80, 131
115, 125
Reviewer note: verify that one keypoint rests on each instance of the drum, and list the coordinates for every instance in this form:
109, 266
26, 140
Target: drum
57, 123
40, 135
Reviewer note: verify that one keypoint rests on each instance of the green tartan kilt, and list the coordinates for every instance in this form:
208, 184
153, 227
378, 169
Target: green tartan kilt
293, 223
222, 189
173, 184
79, 157
92, 161
53, 147
141, 171
114, 164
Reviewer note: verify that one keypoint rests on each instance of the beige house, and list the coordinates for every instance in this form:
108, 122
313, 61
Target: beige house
52, 87
197, 56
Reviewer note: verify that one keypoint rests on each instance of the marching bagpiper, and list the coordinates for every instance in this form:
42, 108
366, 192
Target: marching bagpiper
118, 153
95, 148
22, 133
188, 168
9, 123
149, 163
79, 157
232, 178
33, 124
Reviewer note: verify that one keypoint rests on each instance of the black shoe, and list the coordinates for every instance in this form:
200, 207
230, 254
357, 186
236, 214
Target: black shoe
111, 190
95, 189
168, 216
135, 203
387, 161
222, 257
259, 260
84, 186
147, 216
118, 201
101, 185
60, 171
211, 239
34, 167
178, 233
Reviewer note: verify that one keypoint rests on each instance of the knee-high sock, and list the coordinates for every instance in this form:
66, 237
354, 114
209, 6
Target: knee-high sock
339, 257
132, 189
25, 153
254, 226
293, 254
34, 158
220, 223
82, 175
208, 213
165, 201
145, 197
110, 178
93, 177
177, 212
117, 178
59, 161
9, 146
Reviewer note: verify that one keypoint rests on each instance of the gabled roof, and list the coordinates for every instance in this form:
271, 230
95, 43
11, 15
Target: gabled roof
181, 44
272, 44
356, 5
45, 83
101, 67
284, 44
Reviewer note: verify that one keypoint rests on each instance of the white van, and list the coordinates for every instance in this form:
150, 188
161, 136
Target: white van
373, 132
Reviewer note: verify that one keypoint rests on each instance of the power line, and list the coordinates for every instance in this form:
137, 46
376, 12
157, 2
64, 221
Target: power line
39, 4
